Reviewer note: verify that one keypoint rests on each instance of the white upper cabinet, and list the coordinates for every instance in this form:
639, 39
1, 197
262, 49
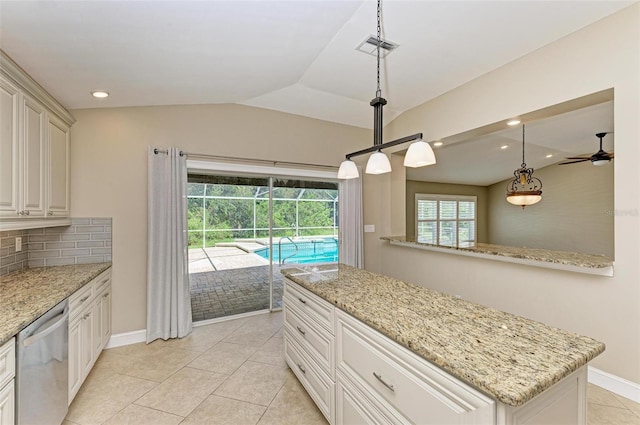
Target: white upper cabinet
58, 168
9, 148
34, 153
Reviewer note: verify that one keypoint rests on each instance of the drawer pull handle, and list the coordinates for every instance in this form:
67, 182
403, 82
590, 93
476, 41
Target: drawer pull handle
379, 378
84, 299
302, 301
105, 295
300, 330
303, 370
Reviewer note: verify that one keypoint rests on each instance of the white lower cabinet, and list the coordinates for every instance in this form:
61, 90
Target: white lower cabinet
89, 328
356, 375
407, 387
7, 388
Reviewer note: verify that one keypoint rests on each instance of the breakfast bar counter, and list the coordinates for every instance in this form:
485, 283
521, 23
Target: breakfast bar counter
510, 358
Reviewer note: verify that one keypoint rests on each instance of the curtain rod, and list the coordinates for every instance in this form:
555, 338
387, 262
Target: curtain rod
234, 158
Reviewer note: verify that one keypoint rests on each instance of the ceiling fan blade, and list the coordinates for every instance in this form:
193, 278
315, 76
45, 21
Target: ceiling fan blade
578, 157
610, 155
574, 162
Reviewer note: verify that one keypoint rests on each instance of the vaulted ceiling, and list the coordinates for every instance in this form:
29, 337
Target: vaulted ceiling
292, 56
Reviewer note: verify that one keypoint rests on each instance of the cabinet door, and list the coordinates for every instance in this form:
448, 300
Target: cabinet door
75, 370
7, 404
105, 320
97, 327
9, 149
58, 168
33, 152
86, 343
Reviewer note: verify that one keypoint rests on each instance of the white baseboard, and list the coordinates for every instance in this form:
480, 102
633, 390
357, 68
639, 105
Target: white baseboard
615, 384
127, 338
134, 337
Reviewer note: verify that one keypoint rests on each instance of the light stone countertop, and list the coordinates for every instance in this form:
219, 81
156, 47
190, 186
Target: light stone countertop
544, 257
27, 294
511, 358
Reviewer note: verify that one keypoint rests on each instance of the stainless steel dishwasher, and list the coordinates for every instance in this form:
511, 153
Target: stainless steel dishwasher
42, 369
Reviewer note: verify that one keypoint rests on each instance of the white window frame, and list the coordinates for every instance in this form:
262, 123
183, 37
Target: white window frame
457, 199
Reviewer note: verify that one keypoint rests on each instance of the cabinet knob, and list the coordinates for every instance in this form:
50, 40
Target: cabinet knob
50, 213
302, 369
27, 212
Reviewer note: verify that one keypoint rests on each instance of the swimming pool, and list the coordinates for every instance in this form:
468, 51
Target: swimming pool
303, 251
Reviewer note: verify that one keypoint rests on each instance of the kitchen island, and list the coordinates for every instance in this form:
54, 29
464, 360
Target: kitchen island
492, 366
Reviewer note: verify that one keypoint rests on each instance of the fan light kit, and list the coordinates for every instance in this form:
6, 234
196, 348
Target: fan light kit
598, 159
524, 189
419, 153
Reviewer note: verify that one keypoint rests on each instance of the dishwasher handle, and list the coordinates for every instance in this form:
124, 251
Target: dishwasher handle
49, 327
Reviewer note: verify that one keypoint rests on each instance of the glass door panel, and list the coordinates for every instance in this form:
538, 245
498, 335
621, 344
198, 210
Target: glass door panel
244, 230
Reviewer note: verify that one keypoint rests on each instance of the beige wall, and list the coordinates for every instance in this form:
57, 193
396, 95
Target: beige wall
480, 192
575, 214
603, 55
109, 169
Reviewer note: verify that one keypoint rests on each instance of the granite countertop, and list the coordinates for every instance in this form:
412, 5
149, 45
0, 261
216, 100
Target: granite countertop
27, 294
576, 259
508, 357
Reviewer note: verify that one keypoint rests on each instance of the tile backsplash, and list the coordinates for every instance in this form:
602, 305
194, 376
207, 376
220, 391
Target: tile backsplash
86, 240
10, 260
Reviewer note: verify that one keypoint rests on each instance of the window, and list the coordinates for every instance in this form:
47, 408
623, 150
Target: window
447, 220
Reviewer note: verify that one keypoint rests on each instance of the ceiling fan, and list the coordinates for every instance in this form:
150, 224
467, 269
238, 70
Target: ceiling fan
599, 158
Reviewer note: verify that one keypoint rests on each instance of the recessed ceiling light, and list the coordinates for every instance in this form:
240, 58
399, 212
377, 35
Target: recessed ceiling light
513, 122
437, 144
504, 146
100, 94
549, 156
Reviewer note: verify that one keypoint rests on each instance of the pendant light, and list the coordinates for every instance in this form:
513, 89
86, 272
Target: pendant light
524, 189
419, 153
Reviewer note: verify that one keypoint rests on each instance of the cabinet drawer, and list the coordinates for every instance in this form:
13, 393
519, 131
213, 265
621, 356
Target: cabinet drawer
318, 385
352, 407
80, 299
310, 305
405, 384
7, 362
102, 281
314, 340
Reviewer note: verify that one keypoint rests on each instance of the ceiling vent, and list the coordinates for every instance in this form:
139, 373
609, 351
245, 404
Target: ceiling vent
370, 43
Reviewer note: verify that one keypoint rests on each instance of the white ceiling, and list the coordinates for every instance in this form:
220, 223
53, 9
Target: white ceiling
299, 57
292, 56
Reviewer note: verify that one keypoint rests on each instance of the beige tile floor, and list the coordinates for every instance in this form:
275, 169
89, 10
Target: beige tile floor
228, 373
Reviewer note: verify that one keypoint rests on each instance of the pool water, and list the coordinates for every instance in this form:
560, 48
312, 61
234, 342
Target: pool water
303, 252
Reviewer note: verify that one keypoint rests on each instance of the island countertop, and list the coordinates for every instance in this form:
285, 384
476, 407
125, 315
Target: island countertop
27, 294
508, 357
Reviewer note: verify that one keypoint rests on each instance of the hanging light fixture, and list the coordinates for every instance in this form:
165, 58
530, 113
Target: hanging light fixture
524, 189
419, 153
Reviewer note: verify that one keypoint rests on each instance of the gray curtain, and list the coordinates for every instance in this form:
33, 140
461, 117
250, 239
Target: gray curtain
351, 225
168, 300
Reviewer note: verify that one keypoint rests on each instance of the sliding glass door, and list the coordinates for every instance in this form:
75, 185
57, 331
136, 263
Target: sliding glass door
244, 230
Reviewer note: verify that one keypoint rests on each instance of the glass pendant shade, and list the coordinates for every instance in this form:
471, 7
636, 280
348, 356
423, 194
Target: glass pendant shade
419, 154
348, 170
600, 162
524, 198
378, 164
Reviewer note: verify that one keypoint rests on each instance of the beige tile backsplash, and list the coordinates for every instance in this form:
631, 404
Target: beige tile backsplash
86, 240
